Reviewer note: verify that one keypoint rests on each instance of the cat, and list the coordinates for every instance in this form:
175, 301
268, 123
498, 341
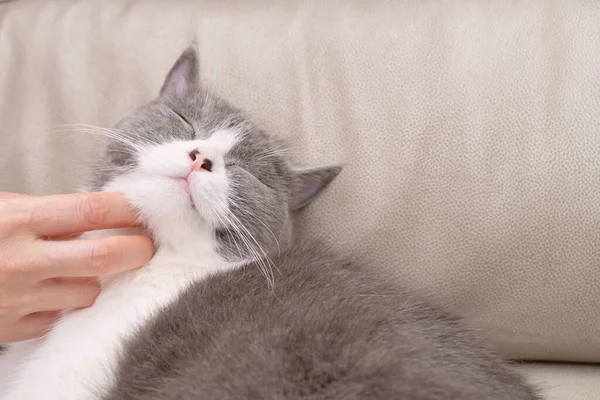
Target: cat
232, 306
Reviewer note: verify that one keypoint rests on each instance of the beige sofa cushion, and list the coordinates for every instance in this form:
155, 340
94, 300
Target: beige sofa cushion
471, 130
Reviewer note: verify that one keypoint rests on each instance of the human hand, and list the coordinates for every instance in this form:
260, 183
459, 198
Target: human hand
40, 274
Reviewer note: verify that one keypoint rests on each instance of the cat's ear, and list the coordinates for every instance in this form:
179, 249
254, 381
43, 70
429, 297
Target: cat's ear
184, 76
308, 183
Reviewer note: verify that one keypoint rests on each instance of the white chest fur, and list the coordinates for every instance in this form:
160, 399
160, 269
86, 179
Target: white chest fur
78, 357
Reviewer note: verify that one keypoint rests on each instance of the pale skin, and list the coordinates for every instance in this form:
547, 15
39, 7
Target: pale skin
43, 271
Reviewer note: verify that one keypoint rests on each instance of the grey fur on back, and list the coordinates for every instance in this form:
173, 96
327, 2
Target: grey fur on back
326, 329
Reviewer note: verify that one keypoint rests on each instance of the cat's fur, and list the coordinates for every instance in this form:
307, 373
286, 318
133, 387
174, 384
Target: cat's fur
231, 306
328, 330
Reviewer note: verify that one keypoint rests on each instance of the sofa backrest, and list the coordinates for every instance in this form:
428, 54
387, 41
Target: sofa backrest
471, 132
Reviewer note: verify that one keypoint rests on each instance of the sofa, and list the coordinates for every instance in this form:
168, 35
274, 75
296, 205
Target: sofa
469, 131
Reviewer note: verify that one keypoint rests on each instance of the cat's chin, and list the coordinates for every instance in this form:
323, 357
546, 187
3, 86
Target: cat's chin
199, 199
184, 186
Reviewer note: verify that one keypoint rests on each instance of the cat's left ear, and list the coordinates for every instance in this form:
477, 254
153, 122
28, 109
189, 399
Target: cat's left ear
308, 183
184, 76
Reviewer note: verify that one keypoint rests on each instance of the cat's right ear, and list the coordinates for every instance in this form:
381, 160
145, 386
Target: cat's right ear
308, 183
184, 76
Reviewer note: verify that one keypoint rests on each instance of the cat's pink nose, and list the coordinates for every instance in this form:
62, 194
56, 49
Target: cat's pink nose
199, 162
204, 164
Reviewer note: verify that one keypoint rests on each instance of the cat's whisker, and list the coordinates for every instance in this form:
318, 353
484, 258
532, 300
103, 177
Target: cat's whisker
246, 210
247, 237
107, 134
254, 254
141, 148
105, 129
227, 222
268, 259
276, 152
133, 143
120, 136
265, 267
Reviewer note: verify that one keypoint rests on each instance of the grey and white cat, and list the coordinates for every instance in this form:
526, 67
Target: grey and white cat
232, 306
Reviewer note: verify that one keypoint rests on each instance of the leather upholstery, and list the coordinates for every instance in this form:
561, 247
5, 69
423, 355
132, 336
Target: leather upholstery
470, 130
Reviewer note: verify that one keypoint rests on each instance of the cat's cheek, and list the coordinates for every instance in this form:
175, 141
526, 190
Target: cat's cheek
211, 197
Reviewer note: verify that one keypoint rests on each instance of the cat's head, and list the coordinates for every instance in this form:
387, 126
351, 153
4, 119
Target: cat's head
202, 175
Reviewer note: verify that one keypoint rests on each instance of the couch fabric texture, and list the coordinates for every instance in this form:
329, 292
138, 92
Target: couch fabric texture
470, 133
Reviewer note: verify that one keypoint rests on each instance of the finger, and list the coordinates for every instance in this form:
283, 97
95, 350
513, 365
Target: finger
81, 212
63, 237
93, 257
78, 280
9, 195
31, 327
55, 295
